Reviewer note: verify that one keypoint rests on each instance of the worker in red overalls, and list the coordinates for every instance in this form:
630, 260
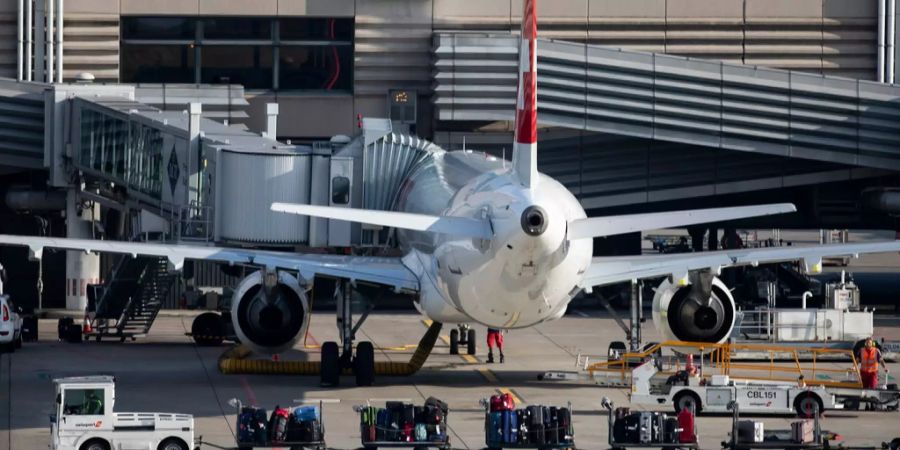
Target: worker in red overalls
494, 336
869, 358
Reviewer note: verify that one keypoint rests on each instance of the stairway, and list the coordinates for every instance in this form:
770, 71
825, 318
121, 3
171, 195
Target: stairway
131, 300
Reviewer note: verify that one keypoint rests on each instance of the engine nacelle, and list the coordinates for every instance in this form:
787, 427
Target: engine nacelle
680, 316
269, 320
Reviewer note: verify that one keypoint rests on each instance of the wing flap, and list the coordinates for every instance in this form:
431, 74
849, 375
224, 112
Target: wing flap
612, 225
458, 226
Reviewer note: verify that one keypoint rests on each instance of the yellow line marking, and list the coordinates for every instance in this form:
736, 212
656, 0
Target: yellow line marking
469, 359
489, 375
512, 394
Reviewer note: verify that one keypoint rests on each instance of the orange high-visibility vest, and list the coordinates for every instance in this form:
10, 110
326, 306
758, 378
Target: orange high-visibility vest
869, 360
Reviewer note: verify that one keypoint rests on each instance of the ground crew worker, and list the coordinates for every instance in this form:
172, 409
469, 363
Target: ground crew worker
494, 336
869, 358
92, 404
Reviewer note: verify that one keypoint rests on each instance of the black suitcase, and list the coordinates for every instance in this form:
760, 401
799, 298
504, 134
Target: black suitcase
437, 403
553, 426
565, 424
524, 419
30, 329
408, 415
62, 327
670, 433
620, 434
536, 425
312, 431
73, 333
632, 428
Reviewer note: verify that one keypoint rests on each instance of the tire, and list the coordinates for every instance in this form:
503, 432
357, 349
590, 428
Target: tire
365, 364
330, 369
685, 400
895, 444
172, 444
95, 444
454, 342
207, 329
804, 404
470, 342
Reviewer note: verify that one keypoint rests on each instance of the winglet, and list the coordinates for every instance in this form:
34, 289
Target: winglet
524, 160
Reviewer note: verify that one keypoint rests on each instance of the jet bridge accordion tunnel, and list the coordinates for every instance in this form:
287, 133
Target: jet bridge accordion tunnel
236, 360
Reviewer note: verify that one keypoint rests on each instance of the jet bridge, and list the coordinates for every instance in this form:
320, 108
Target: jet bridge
673, 99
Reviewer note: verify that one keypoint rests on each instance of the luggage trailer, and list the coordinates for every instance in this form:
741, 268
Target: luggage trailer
373, 445
615, 445
292, 445
490, 445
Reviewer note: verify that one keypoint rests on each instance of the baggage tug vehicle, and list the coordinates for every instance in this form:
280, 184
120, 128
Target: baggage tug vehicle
84, 420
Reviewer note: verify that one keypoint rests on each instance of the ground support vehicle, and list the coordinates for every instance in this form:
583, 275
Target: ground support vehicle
381, 430
84, 420
317, 444
613, 444
10, 325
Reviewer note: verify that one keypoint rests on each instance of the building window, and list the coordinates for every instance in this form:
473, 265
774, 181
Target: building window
340, 190
291, 54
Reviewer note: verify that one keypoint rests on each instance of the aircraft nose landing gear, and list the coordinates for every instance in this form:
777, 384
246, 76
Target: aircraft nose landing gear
337, 359
462, 335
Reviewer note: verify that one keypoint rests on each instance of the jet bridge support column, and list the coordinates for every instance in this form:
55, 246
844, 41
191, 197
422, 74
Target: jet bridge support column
81, 268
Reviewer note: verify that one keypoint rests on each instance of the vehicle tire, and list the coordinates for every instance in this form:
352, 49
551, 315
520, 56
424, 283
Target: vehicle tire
470, 342
331, 364
207, 329
805, 405
365, 364
687, 400
95, 444
172, 444
895, 444
615, 347
454, 342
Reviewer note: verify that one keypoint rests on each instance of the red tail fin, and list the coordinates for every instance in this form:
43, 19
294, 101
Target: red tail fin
525, 148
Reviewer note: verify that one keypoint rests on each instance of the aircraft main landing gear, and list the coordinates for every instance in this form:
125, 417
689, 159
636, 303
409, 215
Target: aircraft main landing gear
468, 339
336, 359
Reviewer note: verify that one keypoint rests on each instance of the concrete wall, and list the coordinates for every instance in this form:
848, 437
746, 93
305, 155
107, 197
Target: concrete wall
393, 37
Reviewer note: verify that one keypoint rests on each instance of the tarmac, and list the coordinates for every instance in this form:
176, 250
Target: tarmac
166, 372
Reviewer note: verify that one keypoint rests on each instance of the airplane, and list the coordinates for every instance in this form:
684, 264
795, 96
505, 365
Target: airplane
483, 241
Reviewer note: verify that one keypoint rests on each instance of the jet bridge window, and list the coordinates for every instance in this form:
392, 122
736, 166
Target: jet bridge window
83, 402
340, 190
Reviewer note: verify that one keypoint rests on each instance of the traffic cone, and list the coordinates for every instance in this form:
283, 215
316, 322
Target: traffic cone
86, 328
689, 367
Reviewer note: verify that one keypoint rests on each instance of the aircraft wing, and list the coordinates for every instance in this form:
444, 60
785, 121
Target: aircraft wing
380, 270
608, 270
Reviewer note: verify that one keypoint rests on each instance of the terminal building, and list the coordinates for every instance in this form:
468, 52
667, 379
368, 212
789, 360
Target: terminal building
181, 120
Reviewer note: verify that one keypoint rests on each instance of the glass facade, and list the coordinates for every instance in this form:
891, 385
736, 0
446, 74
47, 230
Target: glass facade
128, 152
289, 54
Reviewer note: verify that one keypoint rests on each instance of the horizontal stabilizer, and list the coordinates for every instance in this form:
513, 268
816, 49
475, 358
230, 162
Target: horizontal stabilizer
612, 225
457, 226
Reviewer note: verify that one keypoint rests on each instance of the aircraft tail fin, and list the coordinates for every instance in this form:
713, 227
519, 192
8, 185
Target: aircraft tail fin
458, 226
612, 225
524, 158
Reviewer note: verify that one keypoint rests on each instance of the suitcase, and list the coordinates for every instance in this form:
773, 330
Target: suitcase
30, 329
622, 412
62, 327
407, 432
536, 434
686, 427
307, 413
750, 431
620, 434
502, 402
523, 418
495, 428
408, 415
420, 432
565, 425
802, 432
432, 415
278, 424
633, 428
312, 431
437, 403
383, 424
552, 429
671, 433
252, 425
645, 427
295, 432
510, 427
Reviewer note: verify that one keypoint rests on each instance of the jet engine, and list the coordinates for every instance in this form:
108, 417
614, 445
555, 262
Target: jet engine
692, 313
269, 311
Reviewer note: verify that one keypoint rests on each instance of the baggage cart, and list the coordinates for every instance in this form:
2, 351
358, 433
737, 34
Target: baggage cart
442, 444
663, 445
779, 439
292, 445
492, 445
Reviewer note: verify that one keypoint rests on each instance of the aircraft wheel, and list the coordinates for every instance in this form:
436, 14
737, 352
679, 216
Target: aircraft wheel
331, 364
470, 342
365, 364
207, 329
454, 342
